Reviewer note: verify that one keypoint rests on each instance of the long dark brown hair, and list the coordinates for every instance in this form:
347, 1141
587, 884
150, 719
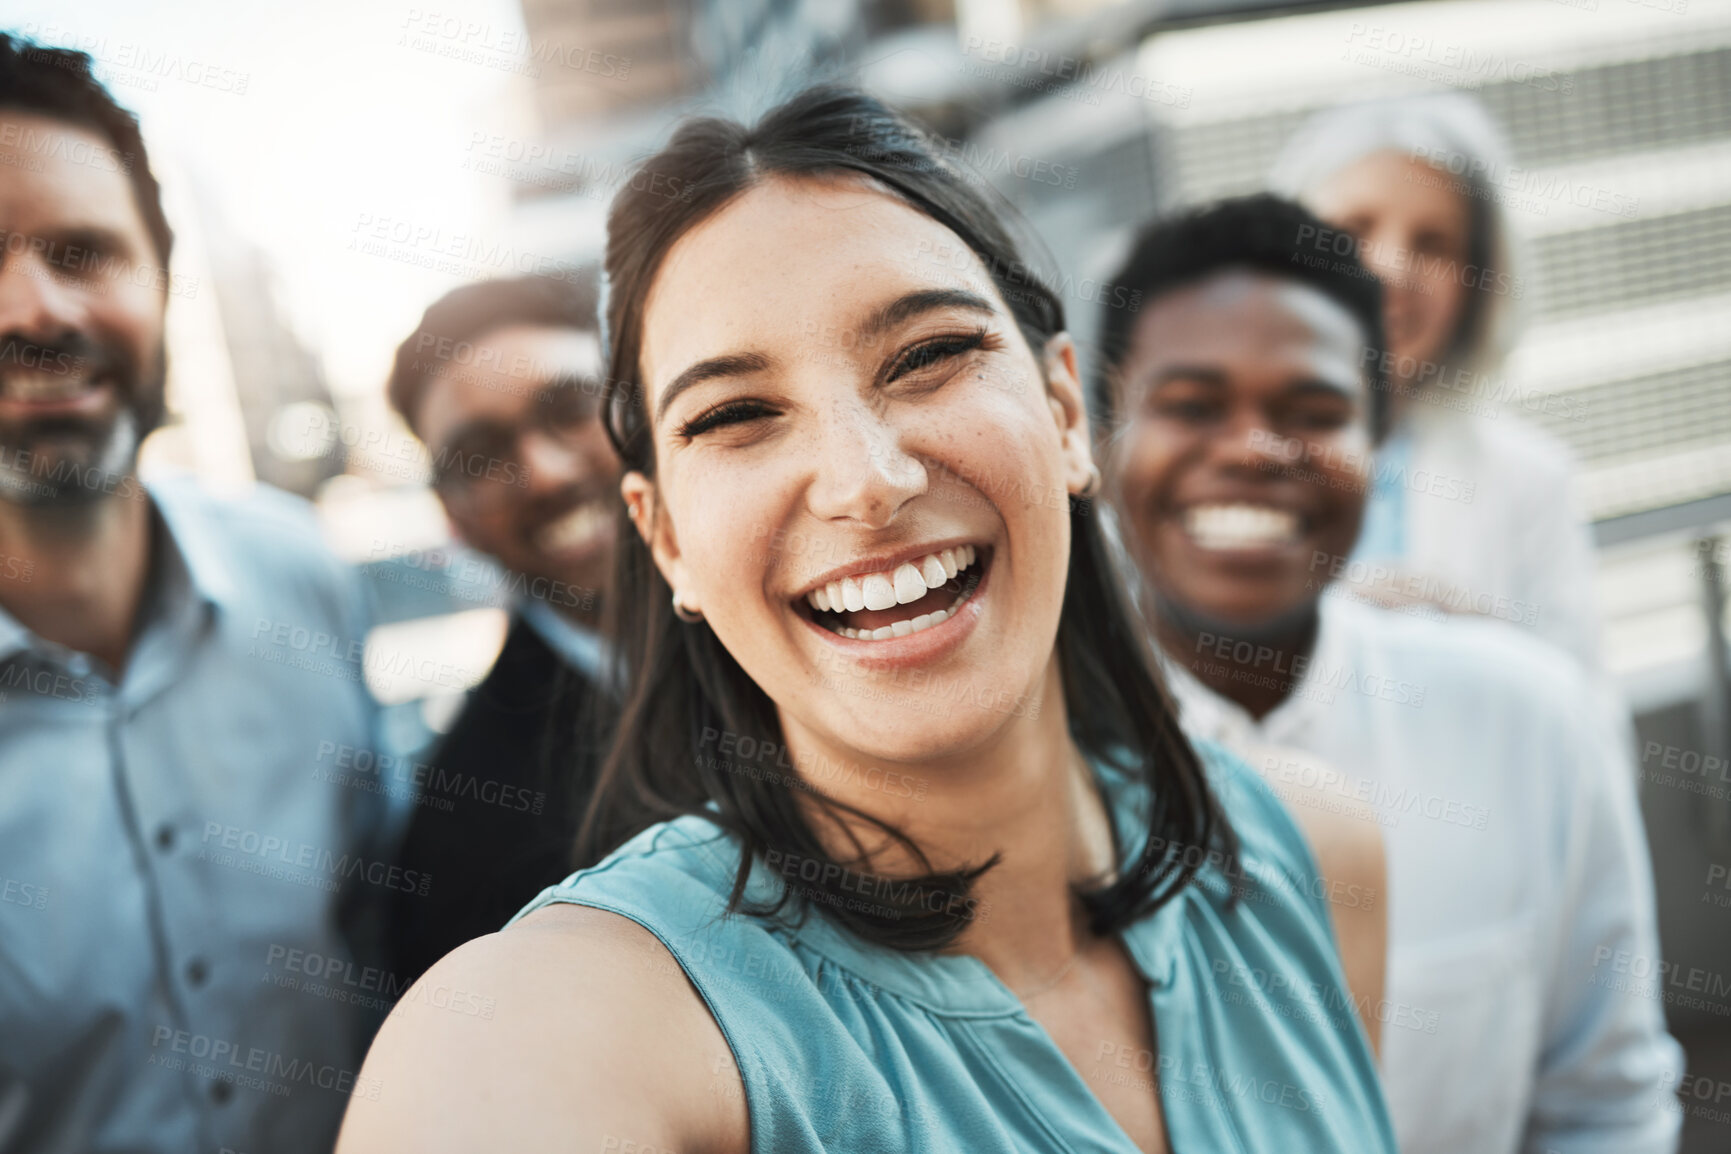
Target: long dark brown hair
681, 687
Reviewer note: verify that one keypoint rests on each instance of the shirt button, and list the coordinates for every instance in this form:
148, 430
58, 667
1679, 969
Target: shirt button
221, 1092
197, 972
165, 837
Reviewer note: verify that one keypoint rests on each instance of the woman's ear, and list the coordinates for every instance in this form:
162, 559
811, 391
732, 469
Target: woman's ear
656, 529
1070, 413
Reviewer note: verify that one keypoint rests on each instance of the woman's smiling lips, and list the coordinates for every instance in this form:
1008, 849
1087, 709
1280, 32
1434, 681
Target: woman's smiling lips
902, 609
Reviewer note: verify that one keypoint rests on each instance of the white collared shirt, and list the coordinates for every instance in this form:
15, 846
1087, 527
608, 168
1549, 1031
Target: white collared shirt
1517, 874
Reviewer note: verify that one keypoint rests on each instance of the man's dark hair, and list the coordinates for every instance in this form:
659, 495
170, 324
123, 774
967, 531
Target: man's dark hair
1261, 233
463, 315
58, 83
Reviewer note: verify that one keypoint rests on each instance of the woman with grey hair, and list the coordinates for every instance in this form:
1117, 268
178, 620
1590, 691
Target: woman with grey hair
1472, 509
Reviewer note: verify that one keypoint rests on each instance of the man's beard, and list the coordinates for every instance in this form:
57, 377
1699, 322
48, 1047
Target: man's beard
71, 462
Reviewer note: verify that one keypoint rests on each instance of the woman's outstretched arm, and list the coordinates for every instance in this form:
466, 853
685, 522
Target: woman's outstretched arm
573, 1030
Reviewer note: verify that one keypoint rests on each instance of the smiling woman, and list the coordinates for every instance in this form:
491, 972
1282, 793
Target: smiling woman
859, 478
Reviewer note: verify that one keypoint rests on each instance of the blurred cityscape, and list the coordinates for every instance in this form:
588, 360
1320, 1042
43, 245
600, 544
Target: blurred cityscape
363, 159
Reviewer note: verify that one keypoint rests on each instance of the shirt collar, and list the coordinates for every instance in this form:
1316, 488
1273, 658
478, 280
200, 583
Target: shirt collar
1205, 713
1201, 711
189, 573
579, 647
194, 538
14, 638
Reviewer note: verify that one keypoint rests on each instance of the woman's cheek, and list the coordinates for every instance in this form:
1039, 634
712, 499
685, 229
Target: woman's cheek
714, 533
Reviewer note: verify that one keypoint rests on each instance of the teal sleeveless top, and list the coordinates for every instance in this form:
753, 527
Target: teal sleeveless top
847, 1046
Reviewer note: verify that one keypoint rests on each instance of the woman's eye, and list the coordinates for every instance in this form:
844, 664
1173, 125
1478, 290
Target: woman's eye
933, 352
730, 413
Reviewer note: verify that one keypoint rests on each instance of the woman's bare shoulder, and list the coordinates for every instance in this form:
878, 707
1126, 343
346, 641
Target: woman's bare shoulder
573, 1027
1343, 831
1345, 837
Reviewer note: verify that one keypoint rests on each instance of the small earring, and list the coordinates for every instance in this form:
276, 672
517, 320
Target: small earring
1092, 488
684, 614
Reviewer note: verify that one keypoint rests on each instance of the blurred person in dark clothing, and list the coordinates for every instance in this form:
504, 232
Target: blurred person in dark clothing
502, 381
176, 673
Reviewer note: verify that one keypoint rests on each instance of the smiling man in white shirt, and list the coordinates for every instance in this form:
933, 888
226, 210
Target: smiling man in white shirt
1239, 410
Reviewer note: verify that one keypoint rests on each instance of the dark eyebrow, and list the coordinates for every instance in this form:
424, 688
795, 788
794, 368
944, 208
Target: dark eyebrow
732, 365
1201, 374
881, 320
95, 237
1218, 378
924, 301
1323, 385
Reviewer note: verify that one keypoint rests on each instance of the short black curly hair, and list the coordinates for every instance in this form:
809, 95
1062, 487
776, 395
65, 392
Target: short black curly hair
58, 83
1261, 233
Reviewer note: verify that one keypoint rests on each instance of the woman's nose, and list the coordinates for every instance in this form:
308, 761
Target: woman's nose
862, 471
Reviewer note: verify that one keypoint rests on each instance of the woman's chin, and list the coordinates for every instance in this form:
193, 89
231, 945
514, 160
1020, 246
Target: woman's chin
910, 727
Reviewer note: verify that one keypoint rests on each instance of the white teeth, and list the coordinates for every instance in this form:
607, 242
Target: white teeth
575, 528
909, 584
36, 386
900, 629
1240, 526
879, 593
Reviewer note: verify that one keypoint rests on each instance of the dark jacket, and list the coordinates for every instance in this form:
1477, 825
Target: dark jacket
501, 797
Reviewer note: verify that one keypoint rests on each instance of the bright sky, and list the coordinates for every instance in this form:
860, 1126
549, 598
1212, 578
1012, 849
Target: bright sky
305, 120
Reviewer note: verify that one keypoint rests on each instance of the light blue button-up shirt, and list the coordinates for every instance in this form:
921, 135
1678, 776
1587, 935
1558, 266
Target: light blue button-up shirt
175, 851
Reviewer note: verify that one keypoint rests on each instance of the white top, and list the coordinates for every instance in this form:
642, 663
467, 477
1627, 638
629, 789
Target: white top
1490, 510
1518, 874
